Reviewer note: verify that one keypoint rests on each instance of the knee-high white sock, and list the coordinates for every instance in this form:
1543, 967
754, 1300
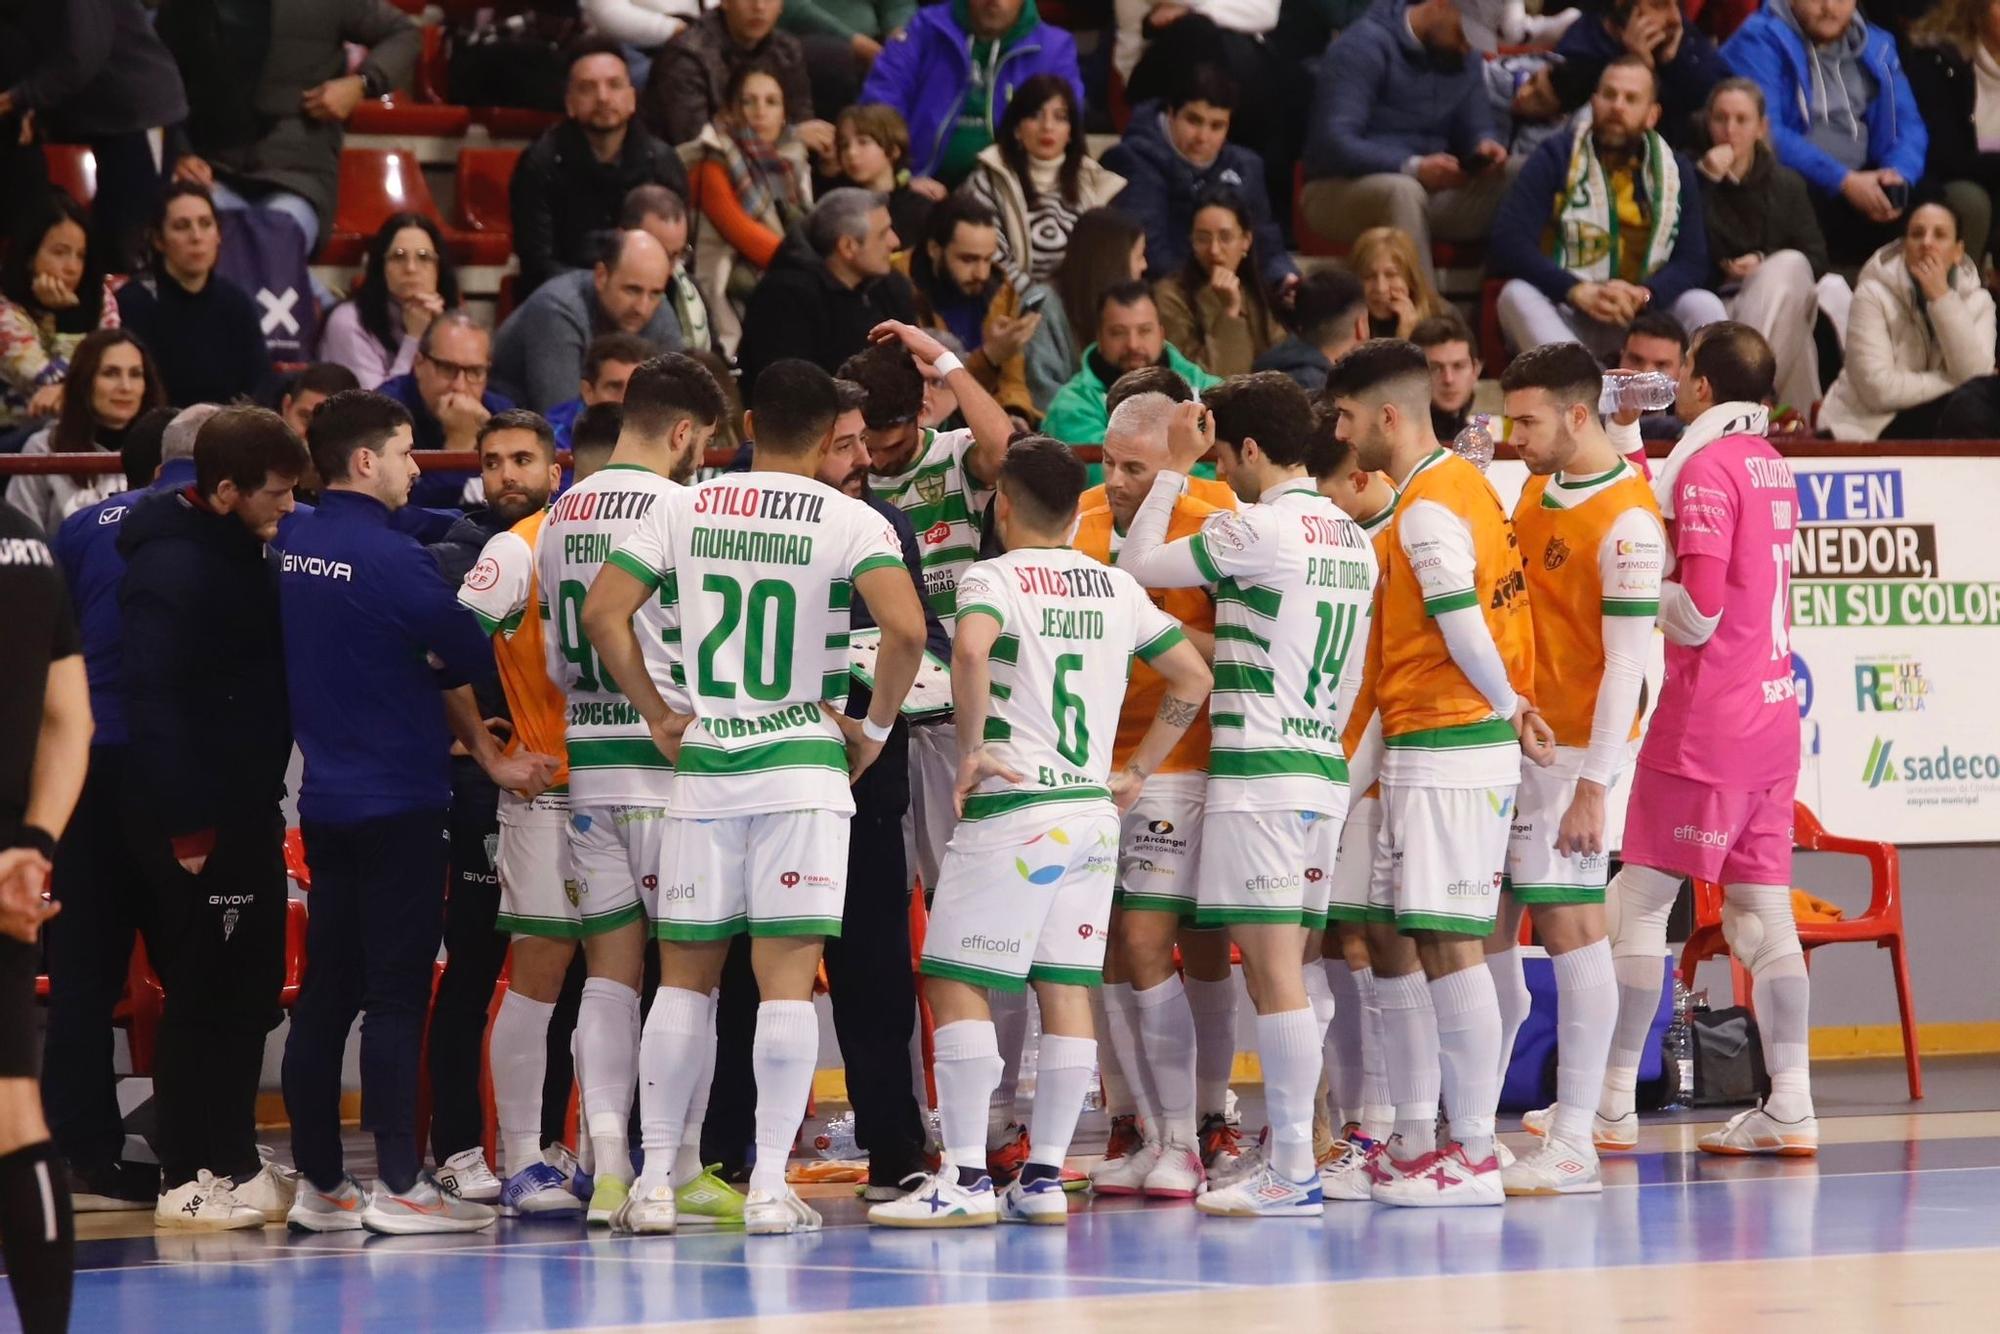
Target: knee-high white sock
1637, 905
966, 1061
1468, 1022
782, 1057
1117, 1085
1128, 1052
1288, 1048
1319, 996
1063, 1067
1586, 1014
1343, 1041
1378, 1108
687, 1161
1510, 990
676, 1046
610, 1061
1410, 1051
1213, 1005
1167, 1027
518, 1051
1759, 920
1010, 1028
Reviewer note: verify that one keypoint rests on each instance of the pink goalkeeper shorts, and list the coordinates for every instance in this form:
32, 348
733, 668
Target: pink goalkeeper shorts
1730, 836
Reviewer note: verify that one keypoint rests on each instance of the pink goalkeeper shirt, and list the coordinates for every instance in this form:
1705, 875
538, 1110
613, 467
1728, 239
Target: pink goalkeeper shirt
1727, 713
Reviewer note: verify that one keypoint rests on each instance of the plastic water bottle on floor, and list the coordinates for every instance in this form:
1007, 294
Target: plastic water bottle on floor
1644, 391
1680, 1047
836, 1141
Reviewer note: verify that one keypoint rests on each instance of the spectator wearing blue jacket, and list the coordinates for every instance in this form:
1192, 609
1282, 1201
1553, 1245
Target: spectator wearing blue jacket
446, 394
1178, 148
1681, 55
951, 73
1842, 115
1602, 223
366, 613
1402, 133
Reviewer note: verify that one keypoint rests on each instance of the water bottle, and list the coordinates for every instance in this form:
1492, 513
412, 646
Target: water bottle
1646, 391
1680, 1046
1474, 444
836, 1141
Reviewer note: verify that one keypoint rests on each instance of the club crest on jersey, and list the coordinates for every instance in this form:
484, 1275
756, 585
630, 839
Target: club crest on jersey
1556, 553
930, 488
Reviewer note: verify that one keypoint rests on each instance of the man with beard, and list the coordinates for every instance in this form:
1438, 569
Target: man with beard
1447, 345
1129, 336
1627, 233
960, 291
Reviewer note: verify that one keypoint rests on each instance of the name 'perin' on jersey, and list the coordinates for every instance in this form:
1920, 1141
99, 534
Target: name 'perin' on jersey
762, 567
612, 758
1069, 629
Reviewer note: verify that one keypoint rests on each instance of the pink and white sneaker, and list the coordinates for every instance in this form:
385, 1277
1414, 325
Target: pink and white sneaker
1444, 1179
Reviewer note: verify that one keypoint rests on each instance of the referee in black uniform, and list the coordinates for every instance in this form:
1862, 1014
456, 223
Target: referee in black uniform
44, 749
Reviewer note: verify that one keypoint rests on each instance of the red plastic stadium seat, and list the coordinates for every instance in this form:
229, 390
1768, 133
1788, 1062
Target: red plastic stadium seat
485, 222
401, 114
374, 183
1492, 345
72, 169
295, 859
295, 952
514, 122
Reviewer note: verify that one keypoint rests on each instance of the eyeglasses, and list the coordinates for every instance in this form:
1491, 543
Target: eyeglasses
452, 370
402, 256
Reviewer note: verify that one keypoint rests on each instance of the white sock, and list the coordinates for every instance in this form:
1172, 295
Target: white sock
1783, 995
676, 1046
1586, 1012
1468, 1024
1063, 1067
966, 1061
687, 1160
1117, 1085
1213, 1005
1319, 996
1510, 990
1288, 1048
1410, 1051
782, 1056
1378, 1109
1167, 1027
1128, 1052
1010, 1030
1637, 903
1343, 1042
518, 1052
610, 1061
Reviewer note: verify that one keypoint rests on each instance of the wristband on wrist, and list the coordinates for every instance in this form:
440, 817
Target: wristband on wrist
36, 837
874, 731
948, 363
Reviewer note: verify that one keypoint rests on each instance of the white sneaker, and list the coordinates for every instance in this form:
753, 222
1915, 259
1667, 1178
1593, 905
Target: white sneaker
338, 1210
270, 1192
1504, 1154
1442, 1180
424, 1207
938, 1200
467, 1176
1758, 1132
1041, 1201
1606, 1135
1176, 1175
1555, 1168
1126, 1175
768, 1214
1349, 1177
1263, 1193
205, 1204
648, 1210
541, 1190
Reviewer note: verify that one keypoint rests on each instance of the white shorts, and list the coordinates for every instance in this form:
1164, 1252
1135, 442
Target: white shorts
1536, 872
783, 873
1159, 846
1351, 899
1030, 902
932, 813
1266, 867
538, 895
1447, 849
614, 854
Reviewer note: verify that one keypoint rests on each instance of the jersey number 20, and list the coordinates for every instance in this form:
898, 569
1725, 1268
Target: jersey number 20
766, 616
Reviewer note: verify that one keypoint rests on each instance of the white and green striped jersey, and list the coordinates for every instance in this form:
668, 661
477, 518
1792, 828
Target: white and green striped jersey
762, 566
1069, 629
1294, 594
942, 502
612, 758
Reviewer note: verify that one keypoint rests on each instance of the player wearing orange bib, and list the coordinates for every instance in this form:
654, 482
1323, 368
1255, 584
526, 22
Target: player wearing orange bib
1457, 661
1592, 548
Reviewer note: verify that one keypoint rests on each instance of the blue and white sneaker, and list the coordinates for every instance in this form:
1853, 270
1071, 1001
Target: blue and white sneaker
539, 1190
1265, 1194
938, 1200
1040, 1201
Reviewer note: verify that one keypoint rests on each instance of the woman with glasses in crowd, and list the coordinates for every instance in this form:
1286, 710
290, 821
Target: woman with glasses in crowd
408, 281
1214, 308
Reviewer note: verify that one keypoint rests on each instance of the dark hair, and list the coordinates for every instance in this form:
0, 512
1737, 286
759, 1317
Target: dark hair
667, 388
585, 47
44, 213
1028, 100
1249, 269
144, 445
1203, 82
371, 298
732, 87
1440, 329
1099, 254
849, 396
1146, 380
76, 427
1041, 475
620, 346
1325, 302
1736, 362
961, 208
1268, 407
1327, 454
792, 406
322, 377
1659, 324
888, 374
1387, 367
596, 427
157, 231
353, 420
1565, 371
518, 419
1938, 202
246, 445
648, 201
1128, 293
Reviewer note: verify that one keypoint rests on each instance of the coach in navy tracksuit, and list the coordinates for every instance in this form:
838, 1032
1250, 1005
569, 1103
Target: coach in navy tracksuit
366, 614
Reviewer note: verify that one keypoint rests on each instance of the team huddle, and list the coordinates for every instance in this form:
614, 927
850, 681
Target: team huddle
1337, 709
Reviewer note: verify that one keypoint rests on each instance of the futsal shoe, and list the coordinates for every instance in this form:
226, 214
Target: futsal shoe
466, 1175
605, 1197
1349, 1177
1126, 1175
1222, 1156
1040, 1201
1263, 1193
1004, 1163
1445, 1139
424, 1207
648, 1210
336, 1210
1758, 1132
709, 1201
1176, 1173
539, 1190
205, 1204
1554, 1168
1125, 1137
774, 1213
1606, 1135
1446, 1179
939, 1199
271, 1191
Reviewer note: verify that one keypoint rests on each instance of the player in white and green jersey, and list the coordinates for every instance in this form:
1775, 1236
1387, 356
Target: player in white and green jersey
1046, 636
762, 567
1294, 582
619, 782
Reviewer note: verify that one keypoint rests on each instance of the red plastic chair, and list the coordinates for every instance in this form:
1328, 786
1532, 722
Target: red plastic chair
486, 222
1492, 343
1881, 923
374, 184
421, 111
295, 952
72, 169
295, 858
